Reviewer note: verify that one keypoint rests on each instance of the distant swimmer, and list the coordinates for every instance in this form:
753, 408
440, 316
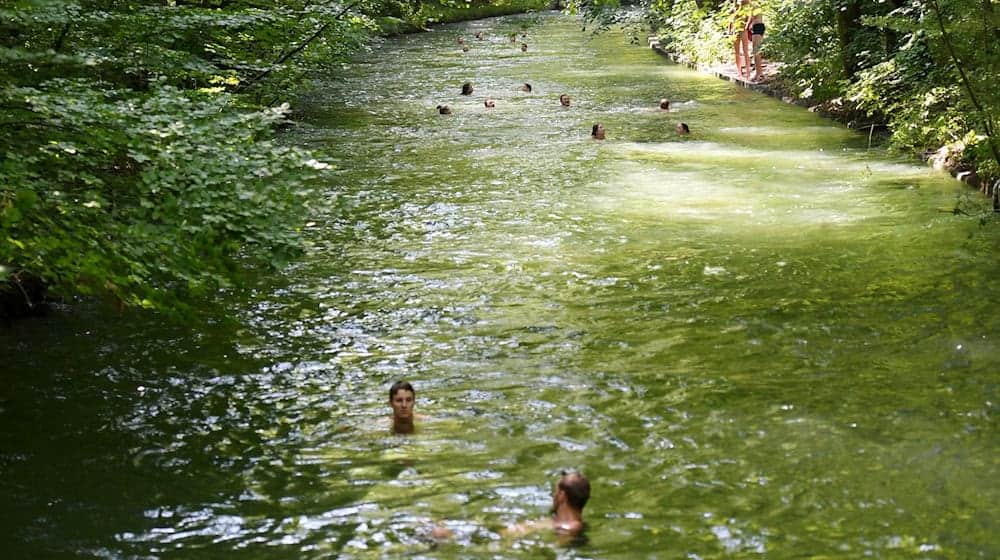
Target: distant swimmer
524, 47
489, 103
465, 48
568, 499
597, 133
444, 109
402, 399
467, 88
460, 40
526, 87
513, 38
479, 35
564, 100
683, 129
665, 104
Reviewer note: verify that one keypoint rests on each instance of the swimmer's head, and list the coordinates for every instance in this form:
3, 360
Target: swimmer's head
526, 87
597, 132
524, 47
574, 488
465, 48
467, 88
564, 100
489, 103
683, 128
665, 104
402, 398
444, 109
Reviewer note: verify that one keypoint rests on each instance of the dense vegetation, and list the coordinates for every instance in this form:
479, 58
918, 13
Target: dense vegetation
927, 71
137, 138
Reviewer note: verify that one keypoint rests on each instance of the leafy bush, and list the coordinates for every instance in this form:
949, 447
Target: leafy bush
699, 35
145, 198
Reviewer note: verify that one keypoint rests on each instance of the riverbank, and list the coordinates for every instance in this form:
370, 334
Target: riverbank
943, 158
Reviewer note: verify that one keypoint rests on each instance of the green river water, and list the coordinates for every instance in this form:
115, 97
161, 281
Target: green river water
762, 340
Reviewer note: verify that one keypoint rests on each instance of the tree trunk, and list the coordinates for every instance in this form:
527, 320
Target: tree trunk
848, 23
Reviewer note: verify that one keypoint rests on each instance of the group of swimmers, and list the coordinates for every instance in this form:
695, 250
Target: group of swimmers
569, 496
597, 132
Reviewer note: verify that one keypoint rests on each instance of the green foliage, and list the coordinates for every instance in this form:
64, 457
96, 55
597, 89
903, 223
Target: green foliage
145, 197
802, 36
699, 34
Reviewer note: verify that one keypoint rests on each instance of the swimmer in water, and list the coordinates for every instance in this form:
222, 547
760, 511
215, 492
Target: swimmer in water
683, 129
444, 109
564, 100
467, 88
597, 133
402, 399
489, 103
568, 500
665, 104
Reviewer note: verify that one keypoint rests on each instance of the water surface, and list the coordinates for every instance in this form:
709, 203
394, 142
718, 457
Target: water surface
764, 339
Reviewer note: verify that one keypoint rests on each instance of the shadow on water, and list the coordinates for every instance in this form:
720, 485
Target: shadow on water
762, 339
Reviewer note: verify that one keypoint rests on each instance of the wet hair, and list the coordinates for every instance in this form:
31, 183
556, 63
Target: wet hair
524, 47
687, 129
401, 386
467, 88
664, 103
577, 489
593, 131
561, 99
444, 109
488, 103
526, 87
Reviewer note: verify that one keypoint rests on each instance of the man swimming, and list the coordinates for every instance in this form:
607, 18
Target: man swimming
402, 399
564, 100
568, 499
597, 132
665, 104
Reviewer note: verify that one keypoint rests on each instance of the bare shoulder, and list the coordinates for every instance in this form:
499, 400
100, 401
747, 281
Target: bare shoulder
527, 528
569, 528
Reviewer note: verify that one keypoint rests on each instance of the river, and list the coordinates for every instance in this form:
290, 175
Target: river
765, 339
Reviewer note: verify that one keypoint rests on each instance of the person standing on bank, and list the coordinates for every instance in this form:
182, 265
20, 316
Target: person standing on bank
739, 26
756, 29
